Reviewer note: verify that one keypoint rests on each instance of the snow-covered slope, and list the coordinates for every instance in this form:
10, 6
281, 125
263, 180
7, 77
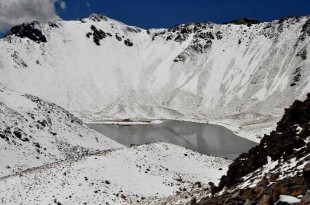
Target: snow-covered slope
34, 132
137, 175
241, 73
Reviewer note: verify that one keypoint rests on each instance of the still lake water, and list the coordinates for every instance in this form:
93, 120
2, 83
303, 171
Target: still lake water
204, 138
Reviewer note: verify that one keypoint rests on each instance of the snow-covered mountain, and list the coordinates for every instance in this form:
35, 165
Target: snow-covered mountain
34, 132
241, 73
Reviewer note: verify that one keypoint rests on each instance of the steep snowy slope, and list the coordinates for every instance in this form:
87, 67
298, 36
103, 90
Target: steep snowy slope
241, 73
136, 175
34, 132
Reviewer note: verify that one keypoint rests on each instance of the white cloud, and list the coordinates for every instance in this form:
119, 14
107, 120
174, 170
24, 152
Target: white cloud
14, 12
63, 5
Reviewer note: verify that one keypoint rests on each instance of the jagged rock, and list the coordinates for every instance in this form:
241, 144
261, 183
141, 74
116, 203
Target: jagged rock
205, 35
18, 60
244, 21
88, 34
289, 19
53, 24
219, 35
180, 58
97, 34
298, 113
128, 43
180, 38
302, 54
28, 30
97, 17
292, 131
118, 37
133, 30
296, 78
169, 38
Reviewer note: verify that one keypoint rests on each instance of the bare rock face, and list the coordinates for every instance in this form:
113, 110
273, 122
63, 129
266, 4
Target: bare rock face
244, 21
288, 145
128, 43
281, 143
98, 34
29, 30
98, 17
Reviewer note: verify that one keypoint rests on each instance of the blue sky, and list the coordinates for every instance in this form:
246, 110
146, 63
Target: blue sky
149, 13
166, 13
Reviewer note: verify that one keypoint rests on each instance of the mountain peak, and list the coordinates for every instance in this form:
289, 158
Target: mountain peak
97, 17
244, 21
28, 30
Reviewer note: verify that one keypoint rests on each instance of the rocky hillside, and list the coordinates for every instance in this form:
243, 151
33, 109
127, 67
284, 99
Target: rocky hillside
34, 132
276, 170
136, 175
241, 73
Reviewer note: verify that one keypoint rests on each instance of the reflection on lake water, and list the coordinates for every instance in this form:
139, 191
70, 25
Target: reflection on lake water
203, 138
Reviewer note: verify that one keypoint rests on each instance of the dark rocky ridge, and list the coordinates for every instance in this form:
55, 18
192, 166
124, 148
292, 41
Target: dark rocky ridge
97, 17
29, 30
290, 140
244, 21
278, 144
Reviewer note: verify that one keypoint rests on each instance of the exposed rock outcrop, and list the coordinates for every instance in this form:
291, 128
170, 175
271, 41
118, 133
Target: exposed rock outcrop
29, 30
279, 144
279, 165
244, 21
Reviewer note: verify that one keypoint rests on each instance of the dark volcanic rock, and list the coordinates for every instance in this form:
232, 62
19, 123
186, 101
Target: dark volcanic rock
97, 17
128, 43
262, 194
204, 36
118, 37
244, 21
219, 35
181, 37
297, 76
278, 144
28, 30
98, 34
